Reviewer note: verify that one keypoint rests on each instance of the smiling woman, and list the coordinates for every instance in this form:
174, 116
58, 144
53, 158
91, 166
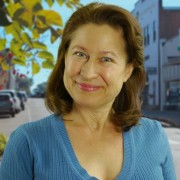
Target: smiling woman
100, 68
96, 130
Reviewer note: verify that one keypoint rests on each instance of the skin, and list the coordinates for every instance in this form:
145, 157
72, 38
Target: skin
95, 69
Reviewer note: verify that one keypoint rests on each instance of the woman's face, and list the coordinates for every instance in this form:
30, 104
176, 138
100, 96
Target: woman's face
96, 65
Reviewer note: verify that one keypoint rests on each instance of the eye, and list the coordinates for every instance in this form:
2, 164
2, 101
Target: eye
106, 59
81, 54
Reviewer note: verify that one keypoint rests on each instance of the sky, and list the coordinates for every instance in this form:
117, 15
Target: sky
65, 14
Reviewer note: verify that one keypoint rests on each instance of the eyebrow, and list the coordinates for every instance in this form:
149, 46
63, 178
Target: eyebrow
101, 52
79, 47
109, 52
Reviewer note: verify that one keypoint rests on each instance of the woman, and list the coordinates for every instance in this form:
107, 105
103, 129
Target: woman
96, 131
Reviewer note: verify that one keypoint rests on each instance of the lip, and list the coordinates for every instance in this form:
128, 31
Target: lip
88, 87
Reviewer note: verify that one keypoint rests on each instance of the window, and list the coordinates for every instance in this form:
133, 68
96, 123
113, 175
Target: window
154, 31
146, 35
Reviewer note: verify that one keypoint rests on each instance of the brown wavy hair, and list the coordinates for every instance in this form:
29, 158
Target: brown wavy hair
126, 109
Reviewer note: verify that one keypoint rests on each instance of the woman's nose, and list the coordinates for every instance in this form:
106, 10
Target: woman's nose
89, 70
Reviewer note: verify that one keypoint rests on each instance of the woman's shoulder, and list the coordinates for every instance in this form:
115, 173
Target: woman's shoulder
149, 128
150, 124
36, 128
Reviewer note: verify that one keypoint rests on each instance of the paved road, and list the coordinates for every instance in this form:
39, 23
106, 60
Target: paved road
35, 110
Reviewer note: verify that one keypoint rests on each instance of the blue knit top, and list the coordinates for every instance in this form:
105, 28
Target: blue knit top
42, 150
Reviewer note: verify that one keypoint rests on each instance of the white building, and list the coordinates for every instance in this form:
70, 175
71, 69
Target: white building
157, 23
170, 73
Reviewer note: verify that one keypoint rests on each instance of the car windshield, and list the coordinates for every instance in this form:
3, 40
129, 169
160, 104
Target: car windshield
4, 98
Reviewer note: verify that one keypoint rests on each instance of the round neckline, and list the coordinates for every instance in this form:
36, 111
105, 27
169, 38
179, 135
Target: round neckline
74, 163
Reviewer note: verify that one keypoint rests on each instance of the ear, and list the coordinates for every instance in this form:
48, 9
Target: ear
129, 70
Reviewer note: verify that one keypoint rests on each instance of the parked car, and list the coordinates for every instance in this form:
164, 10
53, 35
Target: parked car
7, 105
15, 98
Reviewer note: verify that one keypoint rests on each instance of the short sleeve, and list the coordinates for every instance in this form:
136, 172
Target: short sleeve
17, 160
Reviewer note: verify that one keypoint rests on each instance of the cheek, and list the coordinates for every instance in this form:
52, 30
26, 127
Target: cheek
71, 68
112, 77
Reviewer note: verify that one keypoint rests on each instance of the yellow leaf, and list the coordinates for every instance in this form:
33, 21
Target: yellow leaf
50, 2
19, 62
30, 4
39, 45
55, 34
29, 54
28, 18
15, 46
13, 7
26, 39
35, 34
2, 44
35, 67
18, 13
61, 2
47, 64
51, 17
46, 55
40, 24
13, 29
5, 66
69, 5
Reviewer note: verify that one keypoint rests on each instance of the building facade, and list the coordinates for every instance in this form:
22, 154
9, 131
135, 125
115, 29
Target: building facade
170, 73
158, 24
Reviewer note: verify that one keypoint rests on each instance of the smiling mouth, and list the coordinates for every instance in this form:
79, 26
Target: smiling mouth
88, 87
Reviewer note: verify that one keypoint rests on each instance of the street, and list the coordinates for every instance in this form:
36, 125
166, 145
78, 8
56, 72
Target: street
36, 110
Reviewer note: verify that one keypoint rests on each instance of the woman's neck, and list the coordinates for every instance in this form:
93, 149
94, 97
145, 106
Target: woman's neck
92, 119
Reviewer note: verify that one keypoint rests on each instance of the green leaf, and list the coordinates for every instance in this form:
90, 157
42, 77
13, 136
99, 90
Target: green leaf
46, 55
2, 44
39, 45
51, 17
35, 67
48, 64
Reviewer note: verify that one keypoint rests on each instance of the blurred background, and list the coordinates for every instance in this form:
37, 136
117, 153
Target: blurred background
30, 34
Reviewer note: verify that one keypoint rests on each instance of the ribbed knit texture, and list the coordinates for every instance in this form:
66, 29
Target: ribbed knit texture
41, 150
